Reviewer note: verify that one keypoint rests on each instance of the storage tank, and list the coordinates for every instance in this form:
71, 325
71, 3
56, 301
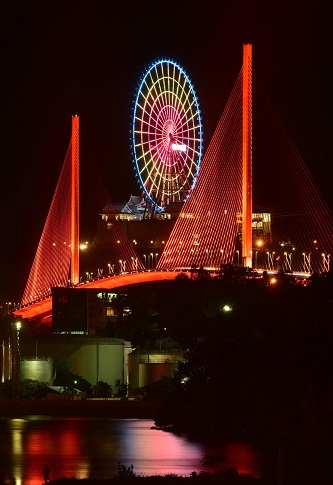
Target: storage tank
37, 369
147, 366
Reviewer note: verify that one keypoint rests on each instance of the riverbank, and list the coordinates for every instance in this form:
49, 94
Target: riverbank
229, 477
80, 408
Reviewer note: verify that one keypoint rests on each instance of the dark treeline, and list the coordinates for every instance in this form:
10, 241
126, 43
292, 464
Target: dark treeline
262, 364
263, 369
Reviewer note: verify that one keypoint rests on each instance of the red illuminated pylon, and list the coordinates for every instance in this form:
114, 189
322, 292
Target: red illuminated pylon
247, 157
75, 202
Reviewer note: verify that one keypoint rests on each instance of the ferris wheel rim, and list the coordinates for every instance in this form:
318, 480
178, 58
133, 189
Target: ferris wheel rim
165, 111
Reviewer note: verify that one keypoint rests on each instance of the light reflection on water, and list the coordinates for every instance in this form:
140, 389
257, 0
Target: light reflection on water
92, 448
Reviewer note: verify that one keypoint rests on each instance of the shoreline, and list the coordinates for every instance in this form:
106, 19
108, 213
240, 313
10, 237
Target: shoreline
80, 408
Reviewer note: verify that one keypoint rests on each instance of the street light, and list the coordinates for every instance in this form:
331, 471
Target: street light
16, 359
259, 244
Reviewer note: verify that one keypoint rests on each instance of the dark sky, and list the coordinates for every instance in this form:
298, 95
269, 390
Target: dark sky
64, 57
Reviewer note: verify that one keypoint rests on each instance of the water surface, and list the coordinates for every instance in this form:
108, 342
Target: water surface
92, 448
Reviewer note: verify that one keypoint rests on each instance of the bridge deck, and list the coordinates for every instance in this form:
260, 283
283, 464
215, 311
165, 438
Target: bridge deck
43, 308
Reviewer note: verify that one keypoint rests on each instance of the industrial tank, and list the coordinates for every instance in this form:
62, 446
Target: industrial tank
37, 369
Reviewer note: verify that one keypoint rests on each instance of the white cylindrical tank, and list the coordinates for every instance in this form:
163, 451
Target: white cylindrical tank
40, 369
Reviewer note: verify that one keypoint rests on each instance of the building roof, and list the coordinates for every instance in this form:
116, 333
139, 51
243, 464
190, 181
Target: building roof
134, 205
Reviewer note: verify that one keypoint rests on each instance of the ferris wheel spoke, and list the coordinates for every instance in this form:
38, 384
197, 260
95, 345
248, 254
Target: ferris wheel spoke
146, 100
158, 101
166, 81
152, 87
162, 77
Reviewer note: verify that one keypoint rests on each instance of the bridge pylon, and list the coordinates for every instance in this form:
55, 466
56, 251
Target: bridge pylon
75, 278
247, 157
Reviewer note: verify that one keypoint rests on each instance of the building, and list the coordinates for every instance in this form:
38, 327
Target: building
93, 358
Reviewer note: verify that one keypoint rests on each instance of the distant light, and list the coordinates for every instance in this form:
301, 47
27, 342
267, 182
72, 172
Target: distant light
273, 281
227, 309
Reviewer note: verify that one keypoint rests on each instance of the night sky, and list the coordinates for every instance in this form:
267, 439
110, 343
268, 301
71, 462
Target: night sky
60, 58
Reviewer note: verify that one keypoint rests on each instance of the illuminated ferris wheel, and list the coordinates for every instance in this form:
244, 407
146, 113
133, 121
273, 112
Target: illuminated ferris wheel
166, 134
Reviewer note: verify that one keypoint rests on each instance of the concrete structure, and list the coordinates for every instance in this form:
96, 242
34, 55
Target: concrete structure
147, 366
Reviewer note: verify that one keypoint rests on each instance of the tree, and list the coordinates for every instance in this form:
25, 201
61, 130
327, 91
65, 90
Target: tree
65, 378
101, 389
31, 389
28, 389
121, 388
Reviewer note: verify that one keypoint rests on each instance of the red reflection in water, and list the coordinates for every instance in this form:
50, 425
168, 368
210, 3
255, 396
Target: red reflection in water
92, 448
244, 456
37, 442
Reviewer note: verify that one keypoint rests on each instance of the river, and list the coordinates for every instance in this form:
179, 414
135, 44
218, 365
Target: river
92, 448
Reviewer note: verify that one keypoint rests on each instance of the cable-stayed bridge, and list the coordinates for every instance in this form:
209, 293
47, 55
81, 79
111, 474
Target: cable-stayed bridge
254, 204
